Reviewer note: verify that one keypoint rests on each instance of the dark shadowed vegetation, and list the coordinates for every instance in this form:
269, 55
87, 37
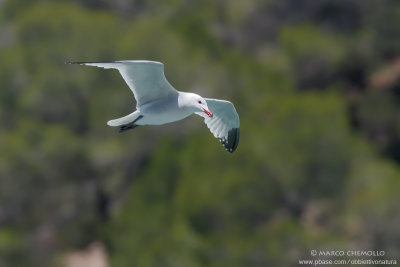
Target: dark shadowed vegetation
317, 88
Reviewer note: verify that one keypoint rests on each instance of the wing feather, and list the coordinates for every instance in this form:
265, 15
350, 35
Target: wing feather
146, 79
225, 123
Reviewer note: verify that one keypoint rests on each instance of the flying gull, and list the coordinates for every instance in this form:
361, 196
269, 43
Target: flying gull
157, 102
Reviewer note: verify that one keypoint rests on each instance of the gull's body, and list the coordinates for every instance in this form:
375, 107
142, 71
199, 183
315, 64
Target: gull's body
157, 102
164, 110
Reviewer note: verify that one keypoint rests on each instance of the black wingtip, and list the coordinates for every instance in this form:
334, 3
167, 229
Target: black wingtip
88, 62
74, 62
232, 141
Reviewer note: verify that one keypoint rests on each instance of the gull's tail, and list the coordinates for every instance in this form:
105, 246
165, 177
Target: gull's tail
127, 122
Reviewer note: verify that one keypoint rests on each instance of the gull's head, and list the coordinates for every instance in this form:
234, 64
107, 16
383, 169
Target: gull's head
194, 102
200, 104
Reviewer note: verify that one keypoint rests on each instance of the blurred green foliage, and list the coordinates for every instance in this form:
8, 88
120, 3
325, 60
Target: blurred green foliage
314, 83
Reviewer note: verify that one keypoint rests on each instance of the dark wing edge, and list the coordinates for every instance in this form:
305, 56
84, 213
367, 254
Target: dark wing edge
232, 142
112, 62
104, 65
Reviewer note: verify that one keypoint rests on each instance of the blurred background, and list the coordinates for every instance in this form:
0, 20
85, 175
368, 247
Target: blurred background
317, 88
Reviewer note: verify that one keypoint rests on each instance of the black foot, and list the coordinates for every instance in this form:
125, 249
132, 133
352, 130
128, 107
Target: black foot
130, 125
127, 127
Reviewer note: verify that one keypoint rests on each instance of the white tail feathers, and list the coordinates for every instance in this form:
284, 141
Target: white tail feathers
124, 120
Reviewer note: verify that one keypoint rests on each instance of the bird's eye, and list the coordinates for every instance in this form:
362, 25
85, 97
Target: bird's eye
199, 102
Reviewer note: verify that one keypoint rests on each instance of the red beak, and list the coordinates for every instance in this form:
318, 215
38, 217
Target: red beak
209, 113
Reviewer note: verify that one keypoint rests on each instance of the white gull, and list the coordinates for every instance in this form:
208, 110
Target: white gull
157, 102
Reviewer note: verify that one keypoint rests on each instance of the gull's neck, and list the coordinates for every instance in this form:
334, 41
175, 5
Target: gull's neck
185, 101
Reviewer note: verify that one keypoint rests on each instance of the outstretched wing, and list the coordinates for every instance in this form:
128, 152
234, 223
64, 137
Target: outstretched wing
146, 79
224, 124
